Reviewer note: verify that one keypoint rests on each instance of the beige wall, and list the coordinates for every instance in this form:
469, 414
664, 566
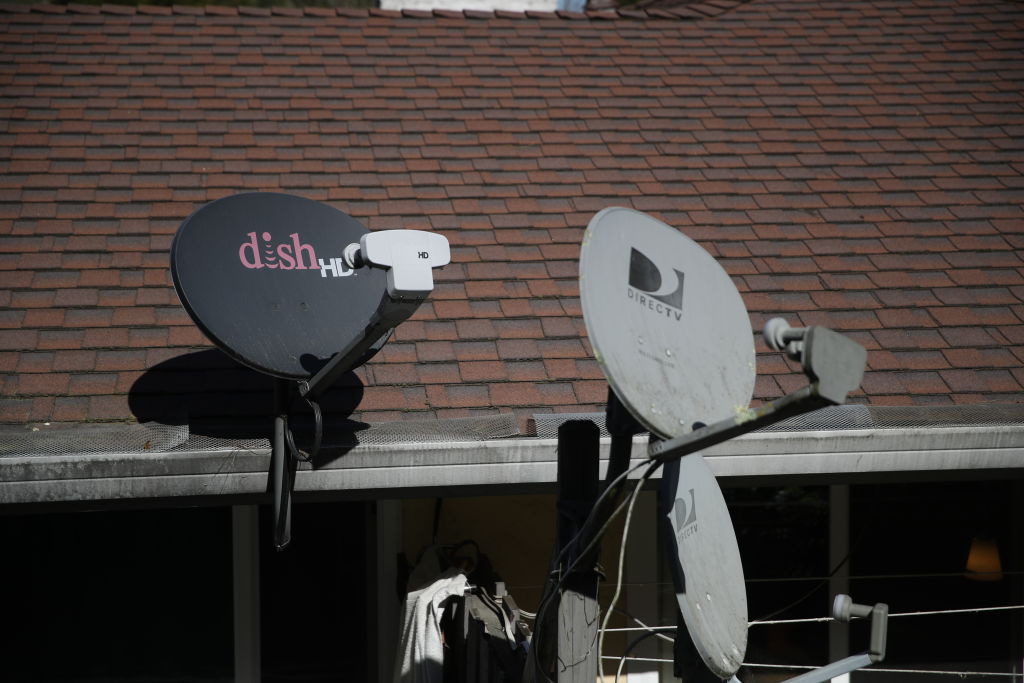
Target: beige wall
517, 533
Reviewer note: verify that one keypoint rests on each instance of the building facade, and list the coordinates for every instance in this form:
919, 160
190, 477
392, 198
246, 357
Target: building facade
852, 165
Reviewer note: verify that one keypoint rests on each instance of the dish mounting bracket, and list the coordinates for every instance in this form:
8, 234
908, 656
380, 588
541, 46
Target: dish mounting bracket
834, 363
409, 257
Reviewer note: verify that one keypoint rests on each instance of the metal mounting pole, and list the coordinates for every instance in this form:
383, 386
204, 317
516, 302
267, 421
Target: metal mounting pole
280, 468
245, 553
622, 427
578, 611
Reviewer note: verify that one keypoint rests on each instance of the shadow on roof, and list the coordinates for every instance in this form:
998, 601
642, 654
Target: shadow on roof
215, 396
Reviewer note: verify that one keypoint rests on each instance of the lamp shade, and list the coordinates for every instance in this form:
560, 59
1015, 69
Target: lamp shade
983, 562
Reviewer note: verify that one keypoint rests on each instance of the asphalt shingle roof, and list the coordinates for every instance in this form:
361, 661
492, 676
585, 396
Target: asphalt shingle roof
853, 164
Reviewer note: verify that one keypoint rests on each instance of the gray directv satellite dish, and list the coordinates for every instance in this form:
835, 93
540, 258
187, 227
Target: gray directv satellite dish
666, 322
673, 337
709, 574
674, 340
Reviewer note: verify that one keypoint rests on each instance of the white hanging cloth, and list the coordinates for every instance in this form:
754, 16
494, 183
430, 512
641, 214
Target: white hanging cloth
420, 655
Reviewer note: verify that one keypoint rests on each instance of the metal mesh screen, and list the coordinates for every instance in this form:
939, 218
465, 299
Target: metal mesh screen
87, 439
548, 423
898, 417
154, 438
833, 417
452, 430
847, 417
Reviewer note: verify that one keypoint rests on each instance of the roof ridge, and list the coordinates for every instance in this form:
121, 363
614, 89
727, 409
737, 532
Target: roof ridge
680, 13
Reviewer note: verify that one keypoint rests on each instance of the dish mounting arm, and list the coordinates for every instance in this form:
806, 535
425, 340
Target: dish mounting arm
409, 256
833, 362
844, 609
389, 314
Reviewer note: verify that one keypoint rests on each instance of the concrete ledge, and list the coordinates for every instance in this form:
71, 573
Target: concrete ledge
502, 466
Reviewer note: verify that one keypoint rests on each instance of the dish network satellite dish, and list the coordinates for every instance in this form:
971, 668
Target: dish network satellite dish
671, 333
298, 290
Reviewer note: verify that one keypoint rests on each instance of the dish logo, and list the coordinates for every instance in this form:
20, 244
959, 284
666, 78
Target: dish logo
292, 255
652, 288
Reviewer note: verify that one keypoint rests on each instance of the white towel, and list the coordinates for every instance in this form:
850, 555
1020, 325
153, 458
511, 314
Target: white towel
420, 655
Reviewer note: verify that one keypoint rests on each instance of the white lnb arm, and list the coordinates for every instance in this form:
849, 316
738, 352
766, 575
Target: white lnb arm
779, 336
409, 257
844, 609
834, 364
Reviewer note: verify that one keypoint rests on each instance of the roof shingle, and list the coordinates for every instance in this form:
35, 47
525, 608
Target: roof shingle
850, 164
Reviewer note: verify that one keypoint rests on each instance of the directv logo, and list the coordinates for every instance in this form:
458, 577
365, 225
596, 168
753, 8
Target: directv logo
686, 517
649, 287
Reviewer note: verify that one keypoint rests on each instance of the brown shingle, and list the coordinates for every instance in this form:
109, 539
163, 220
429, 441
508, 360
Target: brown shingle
463, 396
435, 351
476, 371
891, 213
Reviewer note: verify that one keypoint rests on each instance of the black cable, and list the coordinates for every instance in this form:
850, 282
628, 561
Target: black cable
551, 591
611, 489
552, 588
318, 433
437, 519
817, 587
641, 624
318, 428
632, 646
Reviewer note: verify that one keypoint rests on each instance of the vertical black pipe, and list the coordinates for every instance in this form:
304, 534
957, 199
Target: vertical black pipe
578, 465
280, 471
622, 427
578, 611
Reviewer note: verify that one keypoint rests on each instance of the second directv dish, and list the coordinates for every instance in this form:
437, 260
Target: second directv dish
263, 276
666, 323
706, 567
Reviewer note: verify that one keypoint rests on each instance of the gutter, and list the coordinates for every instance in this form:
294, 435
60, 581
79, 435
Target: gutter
231, 475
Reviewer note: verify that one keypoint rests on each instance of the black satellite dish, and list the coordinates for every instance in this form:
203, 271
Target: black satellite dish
263, 276
300, 291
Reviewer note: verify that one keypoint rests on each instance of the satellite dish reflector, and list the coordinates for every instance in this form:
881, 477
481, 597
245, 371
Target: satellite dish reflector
666, 322
263, 275
706, 566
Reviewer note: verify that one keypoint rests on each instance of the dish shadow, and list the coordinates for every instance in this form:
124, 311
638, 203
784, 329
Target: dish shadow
216, 396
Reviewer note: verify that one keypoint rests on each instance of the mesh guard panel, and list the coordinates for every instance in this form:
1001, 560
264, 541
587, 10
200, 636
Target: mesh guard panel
847, 417
154, 438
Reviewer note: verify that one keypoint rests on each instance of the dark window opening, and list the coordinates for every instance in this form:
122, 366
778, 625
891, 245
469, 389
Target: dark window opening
315, 594
140, 595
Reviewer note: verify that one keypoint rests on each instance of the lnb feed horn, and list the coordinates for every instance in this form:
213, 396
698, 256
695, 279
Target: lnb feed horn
409, 256
779, 336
